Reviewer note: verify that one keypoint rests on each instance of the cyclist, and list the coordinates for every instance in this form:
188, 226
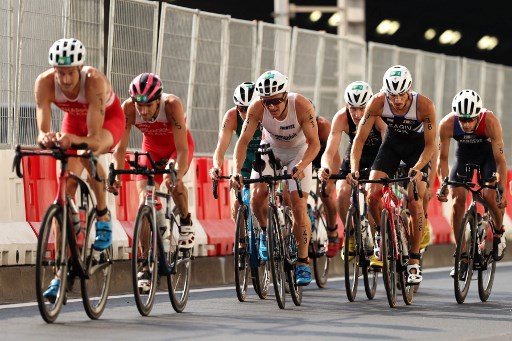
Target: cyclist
232, 123
92, 115
324, 127
411, 133
288, 121
357, 95
161, 119
479, 139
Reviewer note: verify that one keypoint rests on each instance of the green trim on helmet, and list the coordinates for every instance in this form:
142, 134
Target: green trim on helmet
63, 61
141, 98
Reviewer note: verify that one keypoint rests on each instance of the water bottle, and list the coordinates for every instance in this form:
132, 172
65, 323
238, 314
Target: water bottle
74, 215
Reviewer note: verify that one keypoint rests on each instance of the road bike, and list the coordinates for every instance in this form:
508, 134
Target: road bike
65, 247
473, 253
154, 249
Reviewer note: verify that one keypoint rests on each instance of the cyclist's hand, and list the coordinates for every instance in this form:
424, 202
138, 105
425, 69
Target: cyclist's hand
236, 181
47, 140
214, 173
323, 174
65, 140
298, 172
443, 197
168, 181
415, 174
115, 186
352, 178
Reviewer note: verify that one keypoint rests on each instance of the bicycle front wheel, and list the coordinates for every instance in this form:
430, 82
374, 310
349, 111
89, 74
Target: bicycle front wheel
320, 260
388, 258
464, 256
276, 255
51, 263
144, 260
98, 267
260, 270
351, 258
241, 256
178, 282
290, 249
402, 236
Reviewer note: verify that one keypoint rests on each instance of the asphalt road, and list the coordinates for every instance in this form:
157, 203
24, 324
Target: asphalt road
326, 314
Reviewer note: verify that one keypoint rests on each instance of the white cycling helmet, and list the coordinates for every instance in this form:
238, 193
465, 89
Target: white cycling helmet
397, 80
271, 83
67, 52
357, 94
467, 104
244, 94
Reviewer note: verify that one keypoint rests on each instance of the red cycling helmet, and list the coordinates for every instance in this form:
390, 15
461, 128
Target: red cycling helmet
145, 88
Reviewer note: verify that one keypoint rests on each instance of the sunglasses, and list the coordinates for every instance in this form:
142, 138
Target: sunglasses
242, 108
466, 120
274, 101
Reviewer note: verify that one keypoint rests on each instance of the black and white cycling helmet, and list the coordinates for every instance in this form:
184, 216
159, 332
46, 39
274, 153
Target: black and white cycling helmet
67, 52
358, 93
244, 94
397, 80
467, 104
271, 83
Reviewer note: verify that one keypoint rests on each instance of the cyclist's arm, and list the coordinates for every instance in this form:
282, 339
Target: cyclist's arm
381, 127
427, 110
97, 90
229, 123
44, 95
307, 120
495, 133
371, 112
176, 116
254, 116
338, 127
120, 150
445, 135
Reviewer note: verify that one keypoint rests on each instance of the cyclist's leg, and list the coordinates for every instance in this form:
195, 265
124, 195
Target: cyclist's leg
344, 191
259, 207
144, 276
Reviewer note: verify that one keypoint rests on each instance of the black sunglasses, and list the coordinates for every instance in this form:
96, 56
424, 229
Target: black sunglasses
274, 101
466, 120
242, 108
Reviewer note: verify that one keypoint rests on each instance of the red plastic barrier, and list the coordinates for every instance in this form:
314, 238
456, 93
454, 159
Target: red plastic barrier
40, 185
220, 233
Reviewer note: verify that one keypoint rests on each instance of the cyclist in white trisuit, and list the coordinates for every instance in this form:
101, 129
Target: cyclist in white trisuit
290, 127
411, 135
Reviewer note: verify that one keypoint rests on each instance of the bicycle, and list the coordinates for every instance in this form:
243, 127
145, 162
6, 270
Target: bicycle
282, 245
318, 242
472, 252
148, 248
395, 240
65, 248
246, 248
357, 227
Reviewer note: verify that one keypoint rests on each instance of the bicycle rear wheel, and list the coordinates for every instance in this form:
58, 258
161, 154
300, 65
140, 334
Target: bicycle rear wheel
276, 256
290, 248
144, 260
260, 271
51, 262
98, 266
178, 283
487, 269
403, 254
352, 257
464, 256
241, 256
320, 260
370, 276
388, 259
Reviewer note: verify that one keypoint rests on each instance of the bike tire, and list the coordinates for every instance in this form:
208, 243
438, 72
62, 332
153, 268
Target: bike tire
144, 236
241, 254
276, 256
351, 265
98, 265
291, 250
466, 240
178, 282
370, 276
403, 254
487, 270
50, 262
388, 259
321, 262
260, 274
